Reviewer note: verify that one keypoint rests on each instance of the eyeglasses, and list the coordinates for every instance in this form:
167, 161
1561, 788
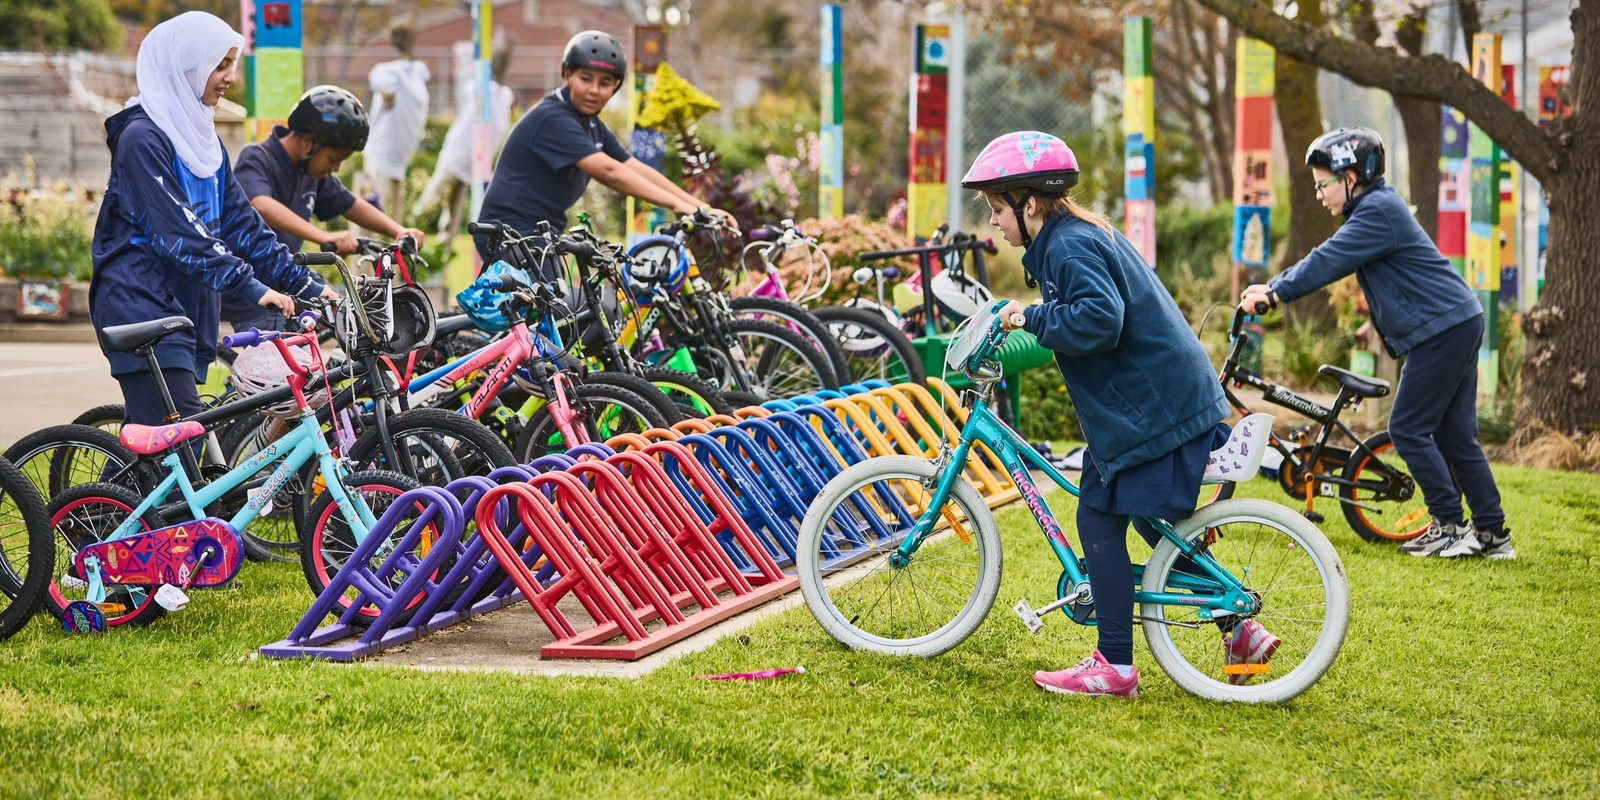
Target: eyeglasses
1320, 185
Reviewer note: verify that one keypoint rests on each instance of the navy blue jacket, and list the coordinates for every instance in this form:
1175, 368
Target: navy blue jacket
1412, 290
167, 242
1141, 382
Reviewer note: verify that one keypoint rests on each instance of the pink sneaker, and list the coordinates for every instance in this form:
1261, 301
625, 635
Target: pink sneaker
1249, 644
1092, 676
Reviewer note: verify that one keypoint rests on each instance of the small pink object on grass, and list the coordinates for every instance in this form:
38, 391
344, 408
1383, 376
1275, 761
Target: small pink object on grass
755, 676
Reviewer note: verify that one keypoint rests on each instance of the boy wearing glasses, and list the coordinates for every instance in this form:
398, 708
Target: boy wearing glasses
1422, 310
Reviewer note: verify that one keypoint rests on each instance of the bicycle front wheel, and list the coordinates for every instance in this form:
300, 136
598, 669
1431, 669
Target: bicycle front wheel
1288, 566
27, 551
868, 598
873, 346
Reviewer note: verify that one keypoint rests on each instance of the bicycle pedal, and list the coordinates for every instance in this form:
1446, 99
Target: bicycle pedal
1029, 617
171, 598
1313, 517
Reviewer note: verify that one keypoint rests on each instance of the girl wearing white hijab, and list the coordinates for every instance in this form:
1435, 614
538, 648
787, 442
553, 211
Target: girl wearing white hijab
175, 228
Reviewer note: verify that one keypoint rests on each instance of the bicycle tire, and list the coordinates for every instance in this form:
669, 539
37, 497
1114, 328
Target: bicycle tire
107, 417
71, 531
819, 529
541, 436
666, 409
1410, 515
460, 445
694, 396
328, 543
59, 457
799, 319
1196, 665
783, 364
879, 360
26, 542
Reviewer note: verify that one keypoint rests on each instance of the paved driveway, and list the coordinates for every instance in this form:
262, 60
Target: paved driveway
50, 384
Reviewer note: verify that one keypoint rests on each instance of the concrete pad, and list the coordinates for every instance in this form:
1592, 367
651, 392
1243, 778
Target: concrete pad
508, 640
50, 384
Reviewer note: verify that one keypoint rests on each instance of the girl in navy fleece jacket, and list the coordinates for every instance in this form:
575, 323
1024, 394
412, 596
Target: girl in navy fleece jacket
174, 227
1142, 385
1424, 311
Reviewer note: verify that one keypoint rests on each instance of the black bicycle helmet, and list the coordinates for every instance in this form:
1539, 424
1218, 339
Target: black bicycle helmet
331, 116
415, 323
1360, 149
596, 50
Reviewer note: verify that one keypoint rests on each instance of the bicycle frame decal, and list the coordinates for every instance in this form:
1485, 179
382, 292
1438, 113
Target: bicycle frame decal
1041, 512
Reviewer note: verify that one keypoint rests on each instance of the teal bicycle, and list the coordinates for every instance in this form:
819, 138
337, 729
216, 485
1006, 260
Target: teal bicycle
930, 583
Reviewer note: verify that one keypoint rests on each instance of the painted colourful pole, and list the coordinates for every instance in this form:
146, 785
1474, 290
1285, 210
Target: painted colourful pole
1483, 220
1252, 158
925, 196
1139, 132
1510, 175
830, 184
1552, 81
1453, 182
646, 144
274, 67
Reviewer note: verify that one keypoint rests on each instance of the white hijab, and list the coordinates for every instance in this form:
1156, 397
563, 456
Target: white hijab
175, 61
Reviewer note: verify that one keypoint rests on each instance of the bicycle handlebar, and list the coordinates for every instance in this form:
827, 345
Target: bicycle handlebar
249, 338
323, 259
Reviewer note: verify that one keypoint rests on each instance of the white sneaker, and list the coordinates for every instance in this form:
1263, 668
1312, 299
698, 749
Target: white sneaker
1440, 534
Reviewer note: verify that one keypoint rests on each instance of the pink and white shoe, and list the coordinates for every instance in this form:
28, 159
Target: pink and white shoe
1093, 676
1249, 644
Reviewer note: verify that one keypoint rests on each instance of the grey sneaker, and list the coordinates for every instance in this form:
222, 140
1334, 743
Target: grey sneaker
1497, 544
1465, 543
1436, 538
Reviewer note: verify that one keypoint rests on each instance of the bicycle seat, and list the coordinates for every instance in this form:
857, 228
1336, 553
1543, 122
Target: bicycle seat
131, 337
1239, 458
455, 323
1359, 385
151, 439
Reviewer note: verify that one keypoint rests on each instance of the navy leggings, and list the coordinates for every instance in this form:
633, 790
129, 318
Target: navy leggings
1105, 554
1434, 426
141, 398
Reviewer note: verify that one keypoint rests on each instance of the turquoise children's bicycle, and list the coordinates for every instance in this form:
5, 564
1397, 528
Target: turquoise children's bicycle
127, 565
929, 584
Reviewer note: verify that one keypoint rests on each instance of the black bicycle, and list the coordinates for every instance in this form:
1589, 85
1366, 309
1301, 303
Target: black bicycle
1375, 491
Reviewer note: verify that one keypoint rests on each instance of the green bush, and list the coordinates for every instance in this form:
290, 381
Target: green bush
1047, 413
46, 235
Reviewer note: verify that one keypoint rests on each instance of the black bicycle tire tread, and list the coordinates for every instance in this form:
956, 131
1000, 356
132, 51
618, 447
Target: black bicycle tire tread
814, 358
897, 340
816, 331
27, 597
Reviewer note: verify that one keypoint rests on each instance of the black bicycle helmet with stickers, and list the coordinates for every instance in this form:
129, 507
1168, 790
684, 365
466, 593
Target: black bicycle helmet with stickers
1360, 149
596, 50
331, 116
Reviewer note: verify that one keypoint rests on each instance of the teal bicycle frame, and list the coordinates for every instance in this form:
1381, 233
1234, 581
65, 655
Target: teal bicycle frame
294, 449
1220, 595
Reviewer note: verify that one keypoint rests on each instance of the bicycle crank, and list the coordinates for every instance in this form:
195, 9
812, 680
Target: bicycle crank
1031, 618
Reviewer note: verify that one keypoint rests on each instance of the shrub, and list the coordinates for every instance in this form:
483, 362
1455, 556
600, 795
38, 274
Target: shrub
47, 234
1049, 412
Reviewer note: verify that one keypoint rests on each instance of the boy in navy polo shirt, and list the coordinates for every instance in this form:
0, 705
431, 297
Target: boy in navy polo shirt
290, 177
559, 145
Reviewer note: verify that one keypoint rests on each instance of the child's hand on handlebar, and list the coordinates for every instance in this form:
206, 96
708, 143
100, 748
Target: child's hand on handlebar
1011, 317
344, 242
723, 217
411, 232
278, 300
328, 294
1256, 295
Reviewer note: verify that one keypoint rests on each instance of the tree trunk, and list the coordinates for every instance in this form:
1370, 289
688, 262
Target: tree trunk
1421, 121
1299, 107
1561, 374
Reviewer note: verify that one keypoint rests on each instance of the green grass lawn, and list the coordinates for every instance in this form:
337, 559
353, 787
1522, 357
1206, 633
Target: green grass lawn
1469, 679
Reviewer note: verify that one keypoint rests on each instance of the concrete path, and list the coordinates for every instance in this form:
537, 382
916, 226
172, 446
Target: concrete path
50, 384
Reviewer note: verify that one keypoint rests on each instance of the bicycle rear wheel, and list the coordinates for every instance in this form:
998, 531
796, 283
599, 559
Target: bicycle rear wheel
784, 365
27, 551
604, 411
60, 457
796, 318
331, 542
858, 589
694, 396
1385, 505
1292, 570
873, 346
87, 514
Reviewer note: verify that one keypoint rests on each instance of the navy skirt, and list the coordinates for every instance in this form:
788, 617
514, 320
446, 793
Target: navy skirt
1165, 487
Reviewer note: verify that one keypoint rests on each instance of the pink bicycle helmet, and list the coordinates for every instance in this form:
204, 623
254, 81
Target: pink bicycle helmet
1024, 160
1031, 160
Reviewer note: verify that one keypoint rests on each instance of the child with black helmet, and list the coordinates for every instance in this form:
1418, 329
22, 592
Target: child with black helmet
560, 144
291, 177
1422, 310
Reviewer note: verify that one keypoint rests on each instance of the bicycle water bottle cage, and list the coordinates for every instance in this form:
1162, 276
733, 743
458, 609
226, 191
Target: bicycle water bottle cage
976, 339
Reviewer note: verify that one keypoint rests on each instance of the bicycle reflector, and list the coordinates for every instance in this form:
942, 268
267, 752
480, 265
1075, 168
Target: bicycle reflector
974, 339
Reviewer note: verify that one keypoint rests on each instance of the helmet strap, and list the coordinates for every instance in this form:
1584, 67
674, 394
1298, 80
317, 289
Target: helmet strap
1019, 210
